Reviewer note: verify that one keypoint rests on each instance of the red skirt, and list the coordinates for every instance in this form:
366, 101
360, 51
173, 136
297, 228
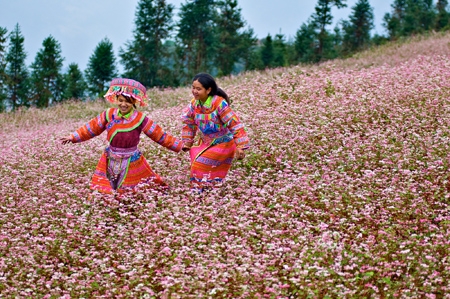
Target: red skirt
139, 171
211, 163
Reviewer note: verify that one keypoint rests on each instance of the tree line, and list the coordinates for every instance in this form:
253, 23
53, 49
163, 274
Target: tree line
209, 36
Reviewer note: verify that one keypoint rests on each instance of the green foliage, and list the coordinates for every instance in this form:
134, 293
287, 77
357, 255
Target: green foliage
357, 30
74, 83
196, 37
16, 70
46, 77
420, 16
321, 18
410, 17
329, 89
443, 16
306, 43
267, 52
144, 58
233, 43
210, 38
279, 51
101, 68
254, 60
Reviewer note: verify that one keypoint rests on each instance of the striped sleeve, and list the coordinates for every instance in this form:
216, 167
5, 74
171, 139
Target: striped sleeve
157, 134
232, 122
190, 128
91, 129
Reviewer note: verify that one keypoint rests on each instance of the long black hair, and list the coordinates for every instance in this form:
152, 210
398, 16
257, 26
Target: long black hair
207, 81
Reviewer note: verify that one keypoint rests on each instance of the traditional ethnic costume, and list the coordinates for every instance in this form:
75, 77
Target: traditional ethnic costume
220, 132
122, 166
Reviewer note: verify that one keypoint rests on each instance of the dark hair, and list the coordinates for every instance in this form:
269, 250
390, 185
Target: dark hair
207, 81
129, 100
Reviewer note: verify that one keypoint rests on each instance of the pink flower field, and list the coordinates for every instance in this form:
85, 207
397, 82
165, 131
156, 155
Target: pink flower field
345, 192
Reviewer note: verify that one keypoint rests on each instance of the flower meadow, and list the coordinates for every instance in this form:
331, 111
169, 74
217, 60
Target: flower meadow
344, 193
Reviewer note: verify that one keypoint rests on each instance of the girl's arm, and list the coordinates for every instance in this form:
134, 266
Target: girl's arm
157, 134
189, 129
231, 120
91, 129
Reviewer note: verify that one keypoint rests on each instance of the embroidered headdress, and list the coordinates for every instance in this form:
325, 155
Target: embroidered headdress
127, 87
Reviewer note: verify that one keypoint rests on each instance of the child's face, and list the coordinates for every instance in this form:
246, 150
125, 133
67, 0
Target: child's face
124, 104
199, 92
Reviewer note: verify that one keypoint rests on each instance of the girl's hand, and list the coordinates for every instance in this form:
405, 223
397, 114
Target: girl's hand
186, 146
240, 154
66, 139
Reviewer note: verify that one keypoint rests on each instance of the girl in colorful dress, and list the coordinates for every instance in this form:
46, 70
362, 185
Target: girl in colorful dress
122, 166
222, 135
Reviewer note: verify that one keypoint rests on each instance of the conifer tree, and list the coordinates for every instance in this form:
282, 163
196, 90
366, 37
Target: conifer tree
3, 77
267, 52
306, 43
394, 22
254, 60
410, 17
234, 44
16, 70
196, 37
279, 51
357, 29
101, 68
144, 57
74, 83
46, 77
335, 44
322, 17
419, 17
443, 16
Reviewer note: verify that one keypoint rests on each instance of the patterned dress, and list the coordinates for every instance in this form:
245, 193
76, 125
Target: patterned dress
122, 166
221, 132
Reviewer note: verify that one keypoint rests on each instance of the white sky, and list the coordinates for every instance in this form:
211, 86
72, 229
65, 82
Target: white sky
79, 25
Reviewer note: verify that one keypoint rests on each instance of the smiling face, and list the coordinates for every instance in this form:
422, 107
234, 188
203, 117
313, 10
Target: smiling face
124, 104
199, 92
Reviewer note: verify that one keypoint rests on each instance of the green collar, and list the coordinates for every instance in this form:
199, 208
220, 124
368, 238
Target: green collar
126, 116
207, 103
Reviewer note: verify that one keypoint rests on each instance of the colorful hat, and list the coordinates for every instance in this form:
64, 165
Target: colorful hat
127, 87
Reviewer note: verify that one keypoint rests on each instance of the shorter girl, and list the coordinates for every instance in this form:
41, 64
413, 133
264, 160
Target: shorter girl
222, 135
122, 166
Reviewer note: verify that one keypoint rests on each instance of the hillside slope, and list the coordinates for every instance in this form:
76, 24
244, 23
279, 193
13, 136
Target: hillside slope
343, 194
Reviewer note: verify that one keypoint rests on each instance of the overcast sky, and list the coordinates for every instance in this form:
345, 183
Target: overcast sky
79, 25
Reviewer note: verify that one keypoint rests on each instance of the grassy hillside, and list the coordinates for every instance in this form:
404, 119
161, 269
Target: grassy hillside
343, 194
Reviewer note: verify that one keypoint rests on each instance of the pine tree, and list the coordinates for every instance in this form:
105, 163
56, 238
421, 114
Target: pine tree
196, 38
234, 44
143, 58
306, 43
46, 77
419, 17
3, 77
335, 46
267, 52
16, 70
101, 68
322, 17
254, 60
394, 22
250, 44
75, 85
357, 30
410, 17
443, 16
279, 51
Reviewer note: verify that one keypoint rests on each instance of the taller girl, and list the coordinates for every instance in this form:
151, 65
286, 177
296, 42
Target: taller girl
222, 135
